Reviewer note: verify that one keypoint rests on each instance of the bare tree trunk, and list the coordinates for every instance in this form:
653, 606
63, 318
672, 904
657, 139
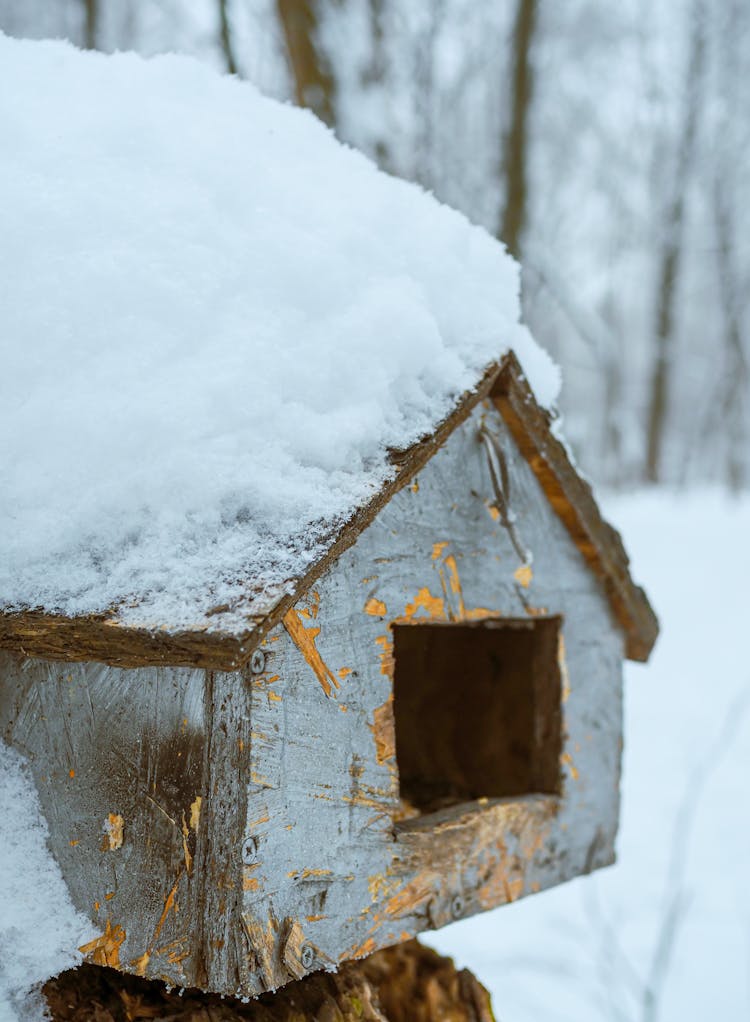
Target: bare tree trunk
91, 10
736, 373
514, 213
225, 38
671, 254
313, 80
727, 204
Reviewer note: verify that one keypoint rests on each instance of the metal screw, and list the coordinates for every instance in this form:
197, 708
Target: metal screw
250, 850
258, 661
307, 956
457, 906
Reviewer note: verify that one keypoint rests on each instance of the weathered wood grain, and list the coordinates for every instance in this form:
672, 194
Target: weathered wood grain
237, 830
118, 759
324, 800
102, 638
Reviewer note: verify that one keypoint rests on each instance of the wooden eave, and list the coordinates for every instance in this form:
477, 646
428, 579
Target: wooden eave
102, 638
572, 500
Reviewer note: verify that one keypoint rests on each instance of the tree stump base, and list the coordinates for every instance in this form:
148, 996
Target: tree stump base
408, 983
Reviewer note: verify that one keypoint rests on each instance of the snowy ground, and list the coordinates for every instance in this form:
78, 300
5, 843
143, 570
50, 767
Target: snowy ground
664, 934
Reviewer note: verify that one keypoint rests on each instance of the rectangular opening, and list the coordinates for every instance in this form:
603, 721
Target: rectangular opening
477, 711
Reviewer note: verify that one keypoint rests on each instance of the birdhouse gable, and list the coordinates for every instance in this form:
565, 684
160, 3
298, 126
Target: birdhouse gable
227, 640
439, 719
428, 727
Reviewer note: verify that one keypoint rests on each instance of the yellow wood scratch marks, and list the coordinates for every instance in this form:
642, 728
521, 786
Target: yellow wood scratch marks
434, 606
381, 885
361, 950
537, 611
369, 798
375, 607
408, 899
567, 760
450, 582
195, 811
523, 575
562, 663
481, 614
437, 550
386, 654
384, 731
455, 585
304, 639
312, 610
175, 951
305, 874
105, 950
262, 939
114, 830
170, 905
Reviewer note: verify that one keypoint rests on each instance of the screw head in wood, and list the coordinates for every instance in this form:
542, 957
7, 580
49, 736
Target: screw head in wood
307, 956
258, 661
457, 906
250, 850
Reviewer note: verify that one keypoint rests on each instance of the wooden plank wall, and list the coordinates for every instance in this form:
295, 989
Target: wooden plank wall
236, 830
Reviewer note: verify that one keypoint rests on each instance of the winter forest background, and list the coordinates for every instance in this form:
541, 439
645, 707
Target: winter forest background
608, 144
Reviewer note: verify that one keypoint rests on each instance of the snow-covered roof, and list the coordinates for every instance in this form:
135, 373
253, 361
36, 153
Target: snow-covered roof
216, 322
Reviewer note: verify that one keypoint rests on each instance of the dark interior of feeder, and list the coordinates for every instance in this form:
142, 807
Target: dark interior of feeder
477, 709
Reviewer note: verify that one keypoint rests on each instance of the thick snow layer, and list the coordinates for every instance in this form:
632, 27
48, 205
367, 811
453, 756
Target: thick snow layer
672, 918
39, 928
215, 319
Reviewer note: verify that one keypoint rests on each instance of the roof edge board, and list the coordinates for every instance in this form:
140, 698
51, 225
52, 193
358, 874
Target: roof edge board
572, 500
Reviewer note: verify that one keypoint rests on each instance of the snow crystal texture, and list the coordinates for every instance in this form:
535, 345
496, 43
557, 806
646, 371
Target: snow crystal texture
215, 321
39, 928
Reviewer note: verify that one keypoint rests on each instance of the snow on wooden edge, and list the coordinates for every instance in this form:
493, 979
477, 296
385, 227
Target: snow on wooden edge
216, 322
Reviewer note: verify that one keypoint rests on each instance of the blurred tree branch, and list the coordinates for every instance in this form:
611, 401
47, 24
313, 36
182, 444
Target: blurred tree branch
516, 153
313, 80
225, 38
91, 23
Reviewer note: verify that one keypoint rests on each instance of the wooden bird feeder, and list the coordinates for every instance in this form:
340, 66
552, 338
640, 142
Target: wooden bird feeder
428, 724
